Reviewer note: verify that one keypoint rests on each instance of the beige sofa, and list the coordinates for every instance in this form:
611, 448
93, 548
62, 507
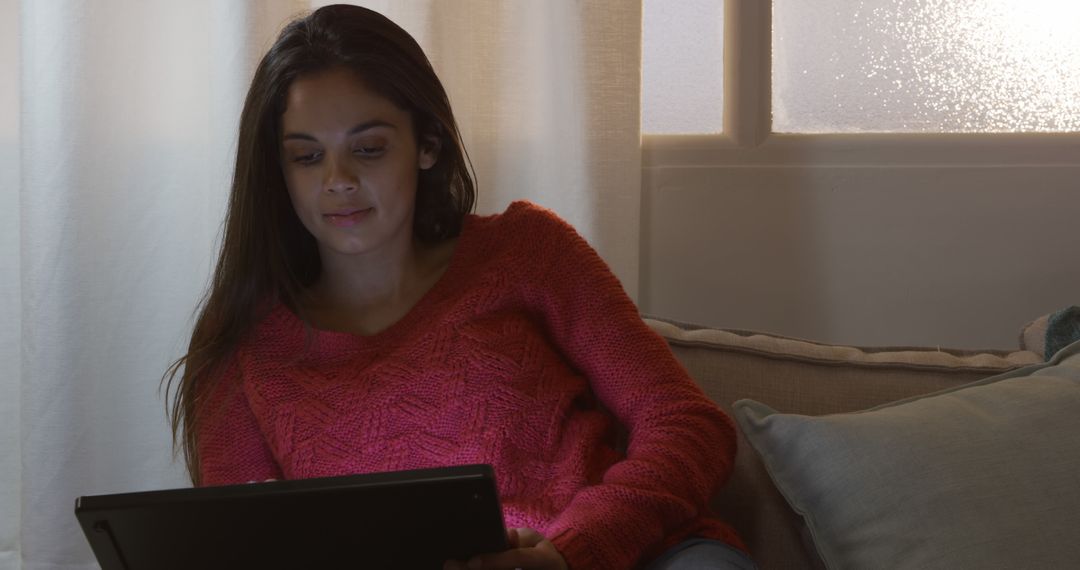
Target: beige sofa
809, 378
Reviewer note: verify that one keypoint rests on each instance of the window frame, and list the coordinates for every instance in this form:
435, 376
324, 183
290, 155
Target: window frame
747, 123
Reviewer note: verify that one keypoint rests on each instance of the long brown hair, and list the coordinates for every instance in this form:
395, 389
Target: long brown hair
267, 256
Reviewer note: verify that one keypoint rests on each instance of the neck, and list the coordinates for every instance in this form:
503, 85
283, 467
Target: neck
366, 293
360, 281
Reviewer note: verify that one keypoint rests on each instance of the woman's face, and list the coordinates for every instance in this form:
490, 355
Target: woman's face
351, 162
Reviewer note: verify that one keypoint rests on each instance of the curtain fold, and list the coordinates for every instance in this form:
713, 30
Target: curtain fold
10, 289
118, 128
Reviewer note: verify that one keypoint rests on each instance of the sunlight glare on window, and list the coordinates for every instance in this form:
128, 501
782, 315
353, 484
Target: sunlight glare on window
926, 66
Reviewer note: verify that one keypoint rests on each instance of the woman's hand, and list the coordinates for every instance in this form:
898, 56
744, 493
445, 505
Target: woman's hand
529, 550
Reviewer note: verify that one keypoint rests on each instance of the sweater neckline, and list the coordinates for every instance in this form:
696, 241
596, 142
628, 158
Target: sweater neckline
416, 312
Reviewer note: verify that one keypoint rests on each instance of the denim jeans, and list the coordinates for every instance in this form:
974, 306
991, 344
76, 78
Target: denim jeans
702, 554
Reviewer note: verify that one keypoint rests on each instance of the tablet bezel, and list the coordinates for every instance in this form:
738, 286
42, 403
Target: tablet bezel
476, 526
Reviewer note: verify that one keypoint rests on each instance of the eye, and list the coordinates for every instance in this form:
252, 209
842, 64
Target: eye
311, 158
369, 151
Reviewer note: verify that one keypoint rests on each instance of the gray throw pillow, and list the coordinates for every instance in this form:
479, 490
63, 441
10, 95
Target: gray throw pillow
986, 475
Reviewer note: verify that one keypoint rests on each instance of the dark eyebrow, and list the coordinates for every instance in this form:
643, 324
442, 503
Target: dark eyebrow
355, 130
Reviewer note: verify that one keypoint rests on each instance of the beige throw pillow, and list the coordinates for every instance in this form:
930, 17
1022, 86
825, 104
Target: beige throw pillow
982, 476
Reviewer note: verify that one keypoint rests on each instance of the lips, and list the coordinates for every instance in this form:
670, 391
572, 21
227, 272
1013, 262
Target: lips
347, 217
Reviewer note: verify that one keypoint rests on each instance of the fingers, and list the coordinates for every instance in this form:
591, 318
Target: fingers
527, 537
529, 551
524, 558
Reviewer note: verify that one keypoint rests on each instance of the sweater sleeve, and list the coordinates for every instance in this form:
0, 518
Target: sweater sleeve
681, 445
231, 446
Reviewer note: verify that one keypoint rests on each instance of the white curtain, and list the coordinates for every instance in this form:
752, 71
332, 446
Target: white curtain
117, 132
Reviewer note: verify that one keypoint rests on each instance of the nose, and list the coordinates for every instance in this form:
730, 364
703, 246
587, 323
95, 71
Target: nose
338, 177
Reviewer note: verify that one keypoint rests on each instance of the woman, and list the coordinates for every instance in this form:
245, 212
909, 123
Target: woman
360, 319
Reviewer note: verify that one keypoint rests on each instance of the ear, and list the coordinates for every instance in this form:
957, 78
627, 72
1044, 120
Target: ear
430, 146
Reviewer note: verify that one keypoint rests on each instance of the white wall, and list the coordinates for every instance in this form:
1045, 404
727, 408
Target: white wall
958, 256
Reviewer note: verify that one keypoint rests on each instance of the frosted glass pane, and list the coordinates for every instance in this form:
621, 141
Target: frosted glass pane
682, 82
926, 66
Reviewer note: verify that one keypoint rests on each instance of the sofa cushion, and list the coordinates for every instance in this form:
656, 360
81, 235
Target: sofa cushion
807, 378
1033, 336
979, 476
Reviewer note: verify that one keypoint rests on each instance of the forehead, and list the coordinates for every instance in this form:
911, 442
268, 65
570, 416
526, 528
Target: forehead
336, 99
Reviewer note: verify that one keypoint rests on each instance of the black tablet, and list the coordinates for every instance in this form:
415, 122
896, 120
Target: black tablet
404, 519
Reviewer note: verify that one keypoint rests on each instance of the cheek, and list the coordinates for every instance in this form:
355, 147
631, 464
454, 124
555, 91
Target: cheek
302, 185
407, 177
302, 204
389, 182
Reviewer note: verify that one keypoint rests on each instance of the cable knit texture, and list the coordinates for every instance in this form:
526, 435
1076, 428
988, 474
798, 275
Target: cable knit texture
526, 354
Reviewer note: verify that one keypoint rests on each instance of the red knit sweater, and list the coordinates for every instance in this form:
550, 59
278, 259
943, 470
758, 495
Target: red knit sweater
524, 355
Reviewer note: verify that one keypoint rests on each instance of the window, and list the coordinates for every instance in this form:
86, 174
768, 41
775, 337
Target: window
860, 66
682, 60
